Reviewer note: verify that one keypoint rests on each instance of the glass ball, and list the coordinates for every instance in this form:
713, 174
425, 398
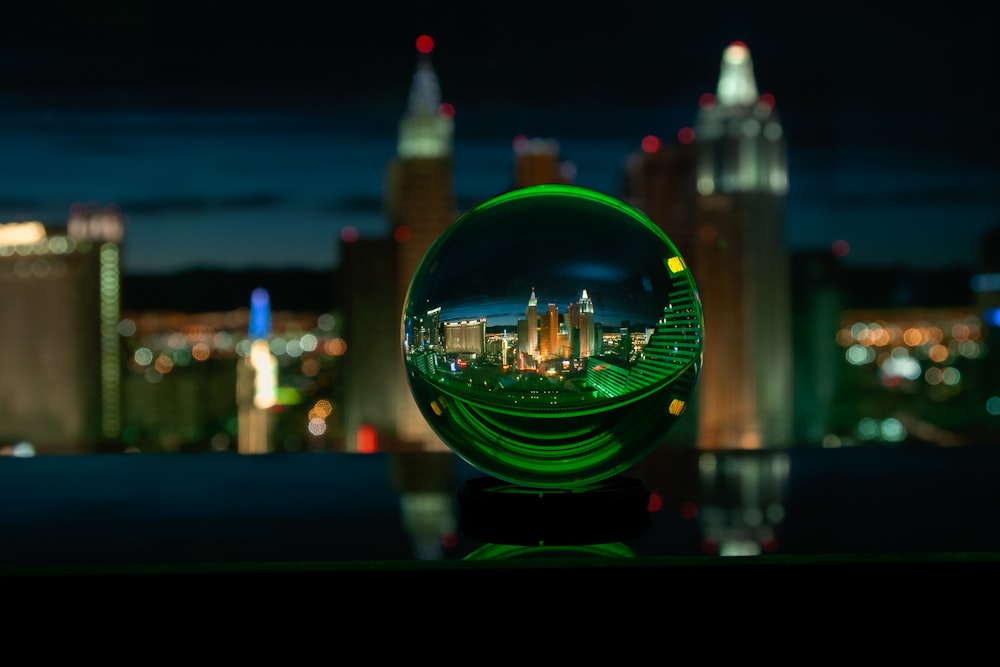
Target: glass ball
551, 336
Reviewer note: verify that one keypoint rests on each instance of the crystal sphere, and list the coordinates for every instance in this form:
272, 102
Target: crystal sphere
551, 336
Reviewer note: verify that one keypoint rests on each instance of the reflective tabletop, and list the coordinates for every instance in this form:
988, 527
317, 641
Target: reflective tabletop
413, 511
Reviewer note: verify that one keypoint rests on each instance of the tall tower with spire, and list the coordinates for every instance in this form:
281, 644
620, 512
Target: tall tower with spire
527, 335
257, 380
420, 202
741, 264
588, 339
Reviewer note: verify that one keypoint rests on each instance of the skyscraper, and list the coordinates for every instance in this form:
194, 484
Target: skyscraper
369, 298
257, 380
588, 338
741, 264
60, 348
420, 205
548, 339
527, 335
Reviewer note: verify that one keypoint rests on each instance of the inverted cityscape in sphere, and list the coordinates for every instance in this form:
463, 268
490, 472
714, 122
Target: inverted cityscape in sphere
552, 336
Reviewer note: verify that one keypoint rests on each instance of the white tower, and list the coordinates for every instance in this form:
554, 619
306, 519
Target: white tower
588, 342
741, 264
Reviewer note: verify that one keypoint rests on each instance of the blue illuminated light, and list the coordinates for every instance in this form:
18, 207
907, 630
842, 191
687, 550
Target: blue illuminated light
260, 313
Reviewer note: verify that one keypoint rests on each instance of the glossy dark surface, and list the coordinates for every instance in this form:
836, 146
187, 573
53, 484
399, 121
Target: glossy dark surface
402, 511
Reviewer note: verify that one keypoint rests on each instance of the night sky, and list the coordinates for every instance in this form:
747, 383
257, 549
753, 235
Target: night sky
217, 119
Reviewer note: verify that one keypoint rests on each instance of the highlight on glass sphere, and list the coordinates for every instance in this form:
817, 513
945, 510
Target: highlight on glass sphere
551, 336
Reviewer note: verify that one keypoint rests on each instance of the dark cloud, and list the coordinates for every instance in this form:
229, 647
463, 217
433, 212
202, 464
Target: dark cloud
356, 203
927, 196
19, 204
187, 205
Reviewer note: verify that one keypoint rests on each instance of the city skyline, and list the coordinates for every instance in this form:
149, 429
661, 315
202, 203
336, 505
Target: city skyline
219, 168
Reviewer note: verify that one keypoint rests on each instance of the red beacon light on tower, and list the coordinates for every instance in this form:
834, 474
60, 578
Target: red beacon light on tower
425, 44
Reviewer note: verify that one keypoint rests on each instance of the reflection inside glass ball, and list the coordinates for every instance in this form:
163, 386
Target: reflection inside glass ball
552, 336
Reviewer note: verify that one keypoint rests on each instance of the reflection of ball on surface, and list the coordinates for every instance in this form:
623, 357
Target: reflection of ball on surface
552, 336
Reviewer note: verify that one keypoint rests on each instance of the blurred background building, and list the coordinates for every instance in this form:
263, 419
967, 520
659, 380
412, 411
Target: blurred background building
420, 205
60, 351
719, 195
799, 349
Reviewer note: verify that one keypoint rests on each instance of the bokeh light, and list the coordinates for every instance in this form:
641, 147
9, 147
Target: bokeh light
425, 44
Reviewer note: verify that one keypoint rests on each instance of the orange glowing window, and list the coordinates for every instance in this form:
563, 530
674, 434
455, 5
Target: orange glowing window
367, 439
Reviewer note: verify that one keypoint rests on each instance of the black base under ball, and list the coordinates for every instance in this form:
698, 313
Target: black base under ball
609, 511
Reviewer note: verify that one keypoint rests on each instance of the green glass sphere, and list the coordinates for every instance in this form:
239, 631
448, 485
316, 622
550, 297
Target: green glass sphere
551, 336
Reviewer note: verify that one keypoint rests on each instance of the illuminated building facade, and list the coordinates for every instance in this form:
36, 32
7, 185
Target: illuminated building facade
588, 334
527, 330
60, 349
465, 337
548, 330
369, 298
668, 349
741, 264
420, 205
257, 380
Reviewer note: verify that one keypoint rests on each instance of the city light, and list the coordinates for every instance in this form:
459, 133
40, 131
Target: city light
889, 355
425, 44
21, 233
349, 234
840, 248
650, 143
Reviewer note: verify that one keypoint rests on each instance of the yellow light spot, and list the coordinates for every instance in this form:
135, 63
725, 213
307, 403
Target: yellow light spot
21, 233
436, 408
676, 406
913, 337
321, 409
675, 264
